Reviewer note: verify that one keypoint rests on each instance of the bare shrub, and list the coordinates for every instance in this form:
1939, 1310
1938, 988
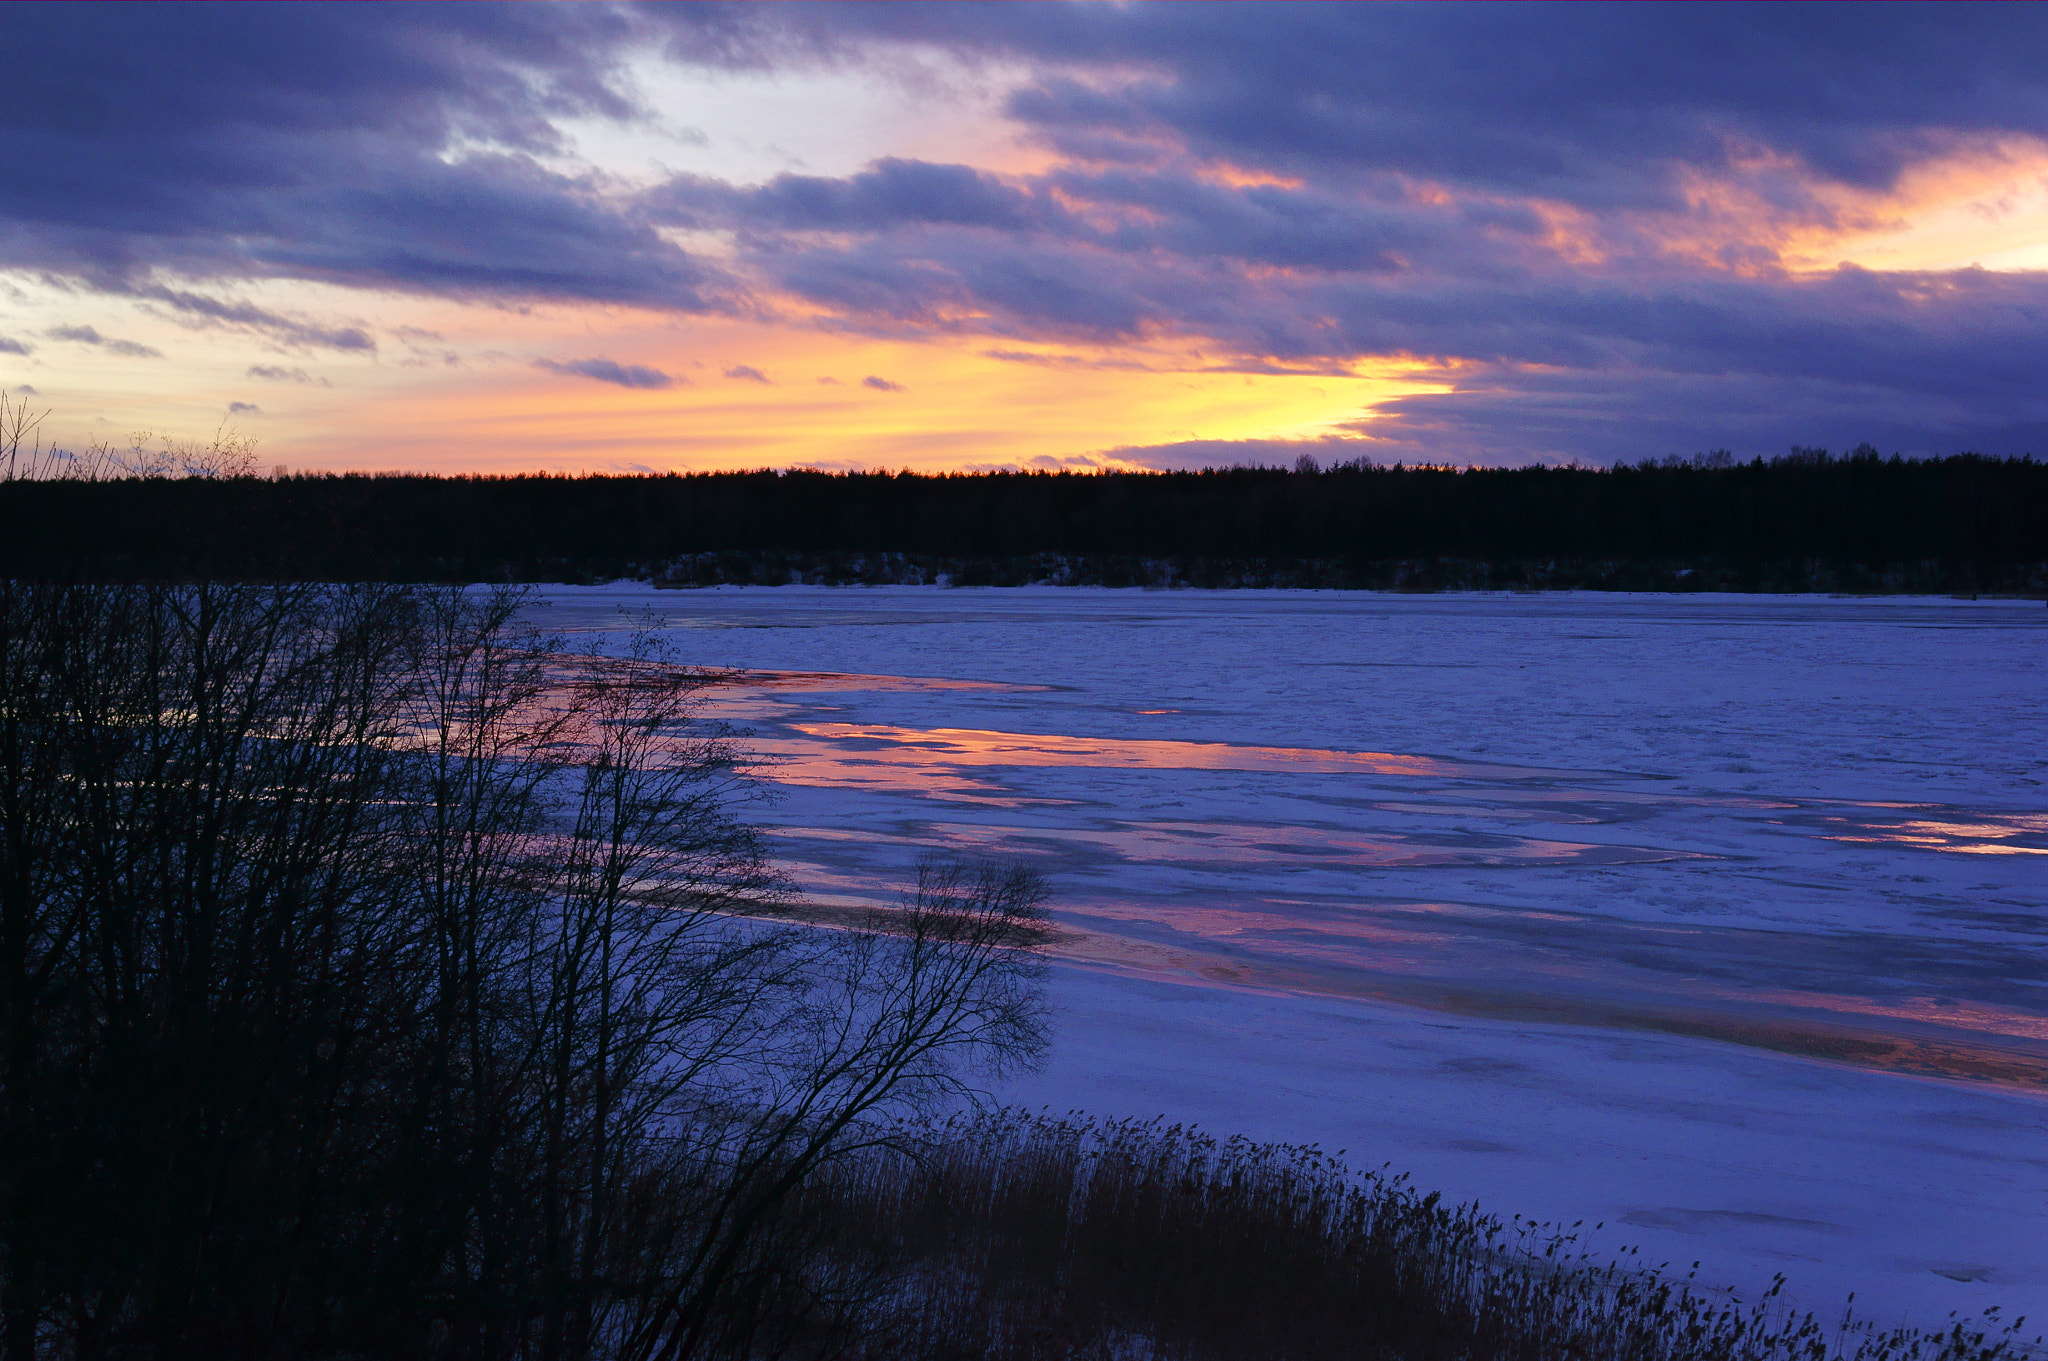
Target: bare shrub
377, 980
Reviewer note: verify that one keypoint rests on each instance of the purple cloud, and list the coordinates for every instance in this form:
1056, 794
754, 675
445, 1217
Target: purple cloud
610, 371
747, 372
277, 374
889, 193
307, 143
1283, 187
1596, 105
86, 335
880, 384
200, 310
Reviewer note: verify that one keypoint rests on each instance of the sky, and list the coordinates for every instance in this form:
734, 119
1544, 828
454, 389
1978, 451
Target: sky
615, 238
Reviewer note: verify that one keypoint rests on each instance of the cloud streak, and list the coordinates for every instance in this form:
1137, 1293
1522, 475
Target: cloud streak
610, 371
275, 373
86, 335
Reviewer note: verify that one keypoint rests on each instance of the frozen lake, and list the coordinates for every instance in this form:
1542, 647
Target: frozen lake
1722, 920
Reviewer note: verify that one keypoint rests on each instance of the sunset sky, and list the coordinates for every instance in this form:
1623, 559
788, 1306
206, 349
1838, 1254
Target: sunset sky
615, 238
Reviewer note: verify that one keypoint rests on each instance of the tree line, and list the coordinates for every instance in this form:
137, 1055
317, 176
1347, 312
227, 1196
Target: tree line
1810, 520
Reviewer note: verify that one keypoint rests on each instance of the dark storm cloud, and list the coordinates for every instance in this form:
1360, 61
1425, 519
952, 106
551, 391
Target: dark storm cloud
610, 371
307, 141
890, 193
1624, 416
1593, 103
1286, 187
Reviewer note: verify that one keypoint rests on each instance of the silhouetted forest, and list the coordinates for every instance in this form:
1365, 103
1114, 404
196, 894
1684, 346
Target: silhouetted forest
1859, 522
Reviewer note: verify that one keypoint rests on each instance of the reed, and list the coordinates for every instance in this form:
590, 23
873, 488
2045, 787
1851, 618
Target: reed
1009, 1236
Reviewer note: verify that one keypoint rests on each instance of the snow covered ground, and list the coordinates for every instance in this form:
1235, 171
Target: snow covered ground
1720, 921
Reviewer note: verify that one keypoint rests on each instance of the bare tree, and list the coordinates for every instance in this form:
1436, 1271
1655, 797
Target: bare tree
376, 979
25, 458
888, 1020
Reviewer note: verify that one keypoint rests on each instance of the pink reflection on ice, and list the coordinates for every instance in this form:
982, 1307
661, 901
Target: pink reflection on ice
1330, 935
816, 765
1974, 834
1229, 846
979, 747
1941, 1011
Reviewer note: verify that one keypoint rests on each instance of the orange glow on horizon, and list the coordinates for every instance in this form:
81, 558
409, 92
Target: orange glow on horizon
962, 403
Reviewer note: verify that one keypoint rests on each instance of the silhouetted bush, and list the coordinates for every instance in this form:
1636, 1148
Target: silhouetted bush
376, 980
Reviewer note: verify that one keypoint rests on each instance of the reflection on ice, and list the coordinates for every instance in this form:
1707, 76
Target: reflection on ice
1757, 811
975, 747
1809, 827
1203, 889
1978, 834
1232, 848
1946, 1012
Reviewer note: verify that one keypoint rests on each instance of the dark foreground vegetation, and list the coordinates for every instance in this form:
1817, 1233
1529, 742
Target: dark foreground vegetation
1020, 1238
1806, 522
377, 981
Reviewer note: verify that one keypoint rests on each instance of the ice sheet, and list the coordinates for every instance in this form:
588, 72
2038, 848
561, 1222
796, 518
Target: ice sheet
1721, 919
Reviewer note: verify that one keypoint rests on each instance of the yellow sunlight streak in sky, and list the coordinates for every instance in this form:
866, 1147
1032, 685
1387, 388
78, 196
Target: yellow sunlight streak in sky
957, 407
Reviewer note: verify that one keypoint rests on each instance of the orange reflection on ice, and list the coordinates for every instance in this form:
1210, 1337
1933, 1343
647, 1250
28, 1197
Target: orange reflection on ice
1983, 834
1230, 846
818, 766
978, 747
